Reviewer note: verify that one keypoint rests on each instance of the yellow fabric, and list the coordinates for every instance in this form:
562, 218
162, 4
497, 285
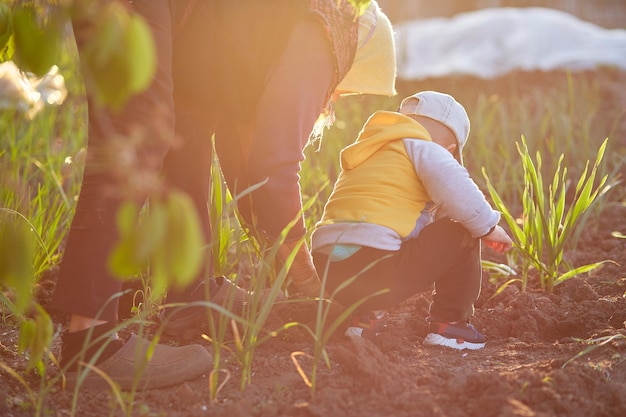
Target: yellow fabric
374, 68
378, 183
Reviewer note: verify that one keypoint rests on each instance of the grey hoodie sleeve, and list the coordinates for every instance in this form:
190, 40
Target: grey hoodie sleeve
450, 187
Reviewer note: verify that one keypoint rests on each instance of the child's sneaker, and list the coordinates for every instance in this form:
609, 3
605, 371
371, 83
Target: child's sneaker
367, 325
456, 335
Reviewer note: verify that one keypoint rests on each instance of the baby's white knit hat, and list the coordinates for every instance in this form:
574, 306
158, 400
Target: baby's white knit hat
442, 108
373, 70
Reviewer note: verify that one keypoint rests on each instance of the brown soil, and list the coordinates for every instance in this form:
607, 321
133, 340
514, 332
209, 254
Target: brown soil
532, 364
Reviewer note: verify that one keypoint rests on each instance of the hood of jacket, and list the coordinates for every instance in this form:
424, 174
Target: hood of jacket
381, 127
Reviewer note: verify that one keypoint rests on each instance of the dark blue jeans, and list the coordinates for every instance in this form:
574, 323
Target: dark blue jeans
275, 85
444, 254
253, 73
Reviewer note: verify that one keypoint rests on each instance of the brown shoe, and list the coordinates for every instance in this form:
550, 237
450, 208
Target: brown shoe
226, 293
130, 367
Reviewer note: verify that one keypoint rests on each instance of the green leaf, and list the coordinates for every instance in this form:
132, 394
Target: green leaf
38, 39
122, 263
151, 232
185, 240
17, 247
118, 53
360, 5
127, 218
27, 335
141, 52
578, 271
6, 25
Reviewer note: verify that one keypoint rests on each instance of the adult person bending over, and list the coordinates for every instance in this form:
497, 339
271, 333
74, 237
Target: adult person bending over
274, 67
192, 96
283, 64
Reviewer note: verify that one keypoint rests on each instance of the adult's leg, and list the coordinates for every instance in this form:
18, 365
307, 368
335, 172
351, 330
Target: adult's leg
266, 125
197, 57
289, 106
187, 166
291, 103
85, 285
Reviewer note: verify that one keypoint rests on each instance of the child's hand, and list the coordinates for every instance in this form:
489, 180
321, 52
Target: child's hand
498, 240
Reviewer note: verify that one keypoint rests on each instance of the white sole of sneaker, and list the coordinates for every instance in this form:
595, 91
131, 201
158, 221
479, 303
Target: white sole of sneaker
434, 339
354, 332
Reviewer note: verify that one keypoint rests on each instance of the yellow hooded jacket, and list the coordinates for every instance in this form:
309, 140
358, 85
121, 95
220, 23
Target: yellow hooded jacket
394, 182
378, 183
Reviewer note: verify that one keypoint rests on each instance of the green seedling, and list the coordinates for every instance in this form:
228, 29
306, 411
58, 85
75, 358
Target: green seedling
549, 221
